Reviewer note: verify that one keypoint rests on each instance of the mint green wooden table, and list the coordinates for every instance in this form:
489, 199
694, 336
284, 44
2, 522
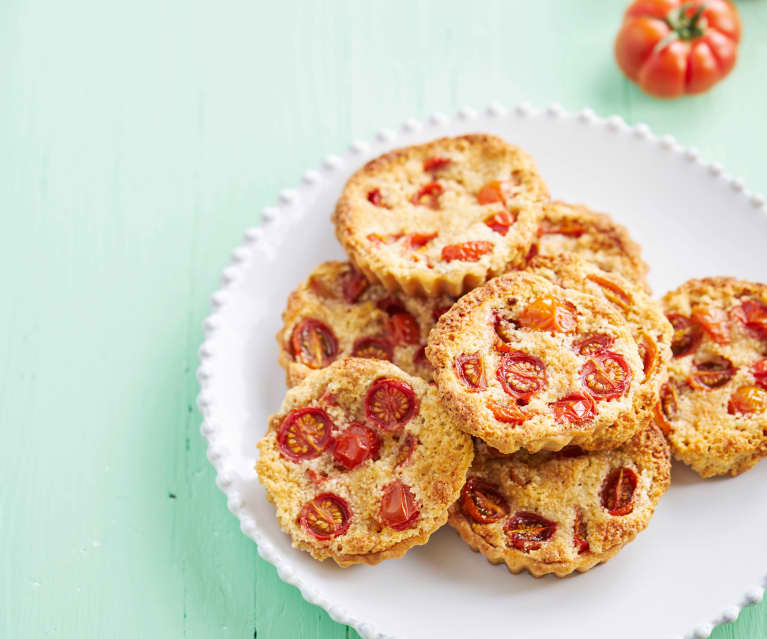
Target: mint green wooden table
137, 141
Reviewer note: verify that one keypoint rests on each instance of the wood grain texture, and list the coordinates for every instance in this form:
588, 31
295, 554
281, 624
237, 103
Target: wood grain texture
139, 139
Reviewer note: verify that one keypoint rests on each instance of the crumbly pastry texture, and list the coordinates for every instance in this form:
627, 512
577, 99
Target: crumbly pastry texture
362, 462
442, 217
524, 363
337, 313
559, 512
714, 406
574, 228
649, 327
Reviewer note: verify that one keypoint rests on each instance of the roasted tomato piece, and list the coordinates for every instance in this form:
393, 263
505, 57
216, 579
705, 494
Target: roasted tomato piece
471, 372
570, 452
466, 252
565, 227
687, 334
712, 373
316, 478
666, 408
326, 516
714, 321
496, 191
618, 491
748, 399
482, 501
304, 433
402, 328
548, 314
648, 351
575, 409
390, 404
418, 240
390, 305
406, 450
521, 375
507, 412
580, 533
606, 375
759, 369
373, 348
435, 163
428, 195
593, 344
356, 444
612, 292
313, 343
353, 284
500, 222
398, 507
527, 531
375, 198
753, 315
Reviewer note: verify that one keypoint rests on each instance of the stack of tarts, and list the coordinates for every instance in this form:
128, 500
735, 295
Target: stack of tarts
492, 359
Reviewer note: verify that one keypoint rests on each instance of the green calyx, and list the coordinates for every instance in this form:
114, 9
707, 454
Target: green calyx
688, 27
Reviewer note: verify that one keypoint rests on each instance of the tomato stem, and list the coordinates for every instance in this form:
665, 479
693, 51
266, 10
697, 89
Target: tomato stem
687, 27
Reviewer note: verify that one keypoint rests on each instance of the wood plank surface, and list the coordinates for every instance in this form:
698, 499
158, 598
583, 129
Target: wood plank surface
138, 140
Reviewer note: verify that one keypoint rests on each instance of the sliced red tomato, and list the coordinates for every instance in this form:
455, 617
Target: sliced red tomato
356, 444
353, 284
712, 373
618, 491
500, 222
398, 507
304, 433
375, 197
575, 409
759, 369
612, 291
748, 399
419, 240
593, 344
606, 375
687, 334
528, 531
313, 343
753, 315
580, 533
501, 191
435, 163
714, 321
466, 252
326, 516
390, 404
548, 314
507, 412
402, 328
471, 372
521, 375
482, 501
429, 194
373, 348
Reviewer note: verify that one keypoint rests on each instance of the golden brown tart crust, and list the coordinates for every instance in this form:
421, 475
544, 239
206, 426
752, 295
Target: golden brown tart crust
335, 509
442, 217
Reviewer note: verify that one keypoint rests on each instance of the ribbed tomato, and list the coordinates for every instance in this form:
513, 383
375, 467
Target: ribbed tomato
675, 47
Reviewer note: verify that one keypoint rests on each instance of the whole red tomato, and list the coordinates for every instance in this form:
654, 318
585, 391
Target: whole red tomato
671, 47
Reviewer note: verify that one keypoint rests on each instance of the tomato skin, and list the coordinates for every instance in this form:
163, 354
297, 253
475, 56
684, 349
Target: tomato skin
669, 53
398, 507
356, 444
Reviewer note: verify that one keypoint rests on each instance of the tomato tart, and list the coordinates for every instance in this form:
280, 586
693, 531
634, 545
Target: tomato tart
574, 228
337, 313
714, 407
558, 512
524, 363
651, 330
442, 217
362, 462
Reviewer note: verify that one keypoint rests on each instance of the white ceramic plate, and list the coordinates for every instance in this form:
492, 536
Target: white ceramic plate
703, 556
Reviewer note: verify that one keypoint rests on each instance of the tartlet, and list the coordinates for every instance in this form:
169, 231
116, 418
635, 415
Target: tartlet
362, 462
337, 313
594, 236
559, 512
714, 406
651, 330
522, 362
442, 217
